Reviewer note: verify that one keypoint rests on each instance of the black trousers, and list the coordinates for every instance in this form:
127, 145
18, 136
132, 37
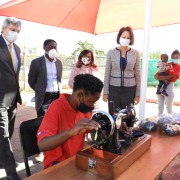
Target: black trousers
48, 99
7, 119
162, 84
122, 96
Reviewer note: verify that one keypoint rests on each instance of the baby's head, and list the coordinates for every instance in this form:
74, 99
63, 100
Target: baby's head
164, 57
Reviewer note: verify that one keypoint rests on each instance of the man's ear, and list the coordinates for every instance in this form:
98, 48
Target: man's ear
80, 93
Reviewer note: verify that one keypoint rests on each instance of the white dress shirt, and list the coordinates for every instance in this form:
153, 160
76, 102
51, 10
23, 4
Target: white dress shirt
52, 85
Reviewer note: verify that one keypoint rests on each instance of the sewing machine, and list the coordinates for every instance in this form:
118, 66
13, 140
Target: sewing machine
115, 146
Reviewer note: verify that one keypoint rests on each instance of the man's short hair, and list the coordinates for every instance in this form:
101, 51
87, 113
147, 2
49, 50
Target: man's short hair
88, 82
11, 20
47, 41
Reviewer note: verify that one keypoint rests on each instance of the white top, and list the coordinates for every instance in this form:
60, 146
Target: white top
52, 85
163, 66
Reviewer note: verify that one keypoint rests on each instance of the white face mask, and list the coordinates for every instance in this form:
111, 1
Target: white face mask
175, 61
124, 42
86, 60
52, 53
12, 36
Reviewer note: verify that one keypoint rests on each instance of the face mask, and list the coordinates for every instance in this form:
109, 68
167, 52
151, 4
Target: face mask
124, 42
12, 36
52, 53
175, 61
86, 60
84, 108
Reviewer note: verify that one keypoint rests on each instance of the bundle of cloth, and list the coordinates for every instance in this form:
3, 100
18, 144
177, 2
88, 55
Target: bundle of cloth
168, 123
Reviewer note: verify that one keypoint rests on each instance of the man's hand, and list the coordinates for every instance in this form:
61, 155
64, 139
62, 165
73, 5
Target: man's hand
84, 125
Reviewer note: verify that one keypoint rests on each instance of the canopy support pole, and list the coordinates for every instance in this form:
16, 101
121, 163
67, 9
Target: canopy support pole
142, 106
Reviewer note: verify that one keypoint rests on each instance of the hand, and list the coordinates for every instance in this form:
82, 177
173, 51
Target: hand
84, 125
105, 97
136, 100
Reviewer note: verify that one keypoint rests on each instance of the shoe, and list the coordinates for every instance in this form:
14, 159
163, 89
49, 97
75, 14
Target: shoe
14, 177
39, 157
17, 164
164, 93
1, 166
158, 92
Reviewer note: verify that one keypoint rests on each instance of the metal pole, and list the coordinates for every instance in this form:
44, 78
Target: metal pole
24, 66
142, 106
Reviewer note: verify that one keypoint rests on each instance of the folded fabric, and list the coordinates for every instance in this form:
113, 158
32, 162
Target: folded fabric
168, 123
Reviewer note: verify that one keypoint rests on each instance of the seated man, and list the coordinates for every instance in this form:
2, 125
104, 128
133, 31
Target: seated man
61, 134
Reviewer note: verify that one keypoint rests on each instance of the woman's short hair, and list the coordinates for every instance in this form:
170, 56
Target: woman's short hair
129, 29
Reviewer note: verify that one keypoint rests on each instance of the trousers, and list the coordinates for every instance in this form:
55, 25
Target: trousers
7, 119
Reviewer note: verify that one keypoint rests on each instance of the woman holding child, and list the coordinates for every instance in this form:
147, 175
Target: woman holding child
174, 74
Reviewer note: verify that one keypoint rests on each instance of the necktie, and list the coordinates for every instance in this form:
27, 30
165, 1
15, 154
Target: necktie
12, 54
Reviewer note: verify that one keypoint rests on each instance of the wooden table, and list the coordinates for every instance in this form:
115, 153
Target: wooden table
163, 150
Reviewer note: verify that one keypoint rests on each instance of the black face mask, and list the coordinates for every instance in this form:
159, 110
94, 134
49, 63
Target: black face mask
84, 108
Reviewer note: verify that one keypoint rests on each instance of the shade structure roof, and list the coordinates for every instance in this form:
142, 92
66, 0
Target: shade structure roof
93, 16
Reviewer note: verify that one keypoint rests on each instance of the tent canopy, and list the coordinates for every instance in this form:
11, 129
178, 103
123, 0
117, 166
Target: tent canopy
93, 16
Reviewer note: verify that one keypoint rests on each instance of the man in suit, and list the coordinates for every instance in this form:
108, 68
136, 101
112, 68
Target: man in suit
10, 64
45, 77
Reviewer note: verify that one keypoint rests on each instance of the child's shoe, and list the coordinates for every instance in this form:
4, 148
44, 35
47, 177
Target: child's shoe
158, 92
164, 93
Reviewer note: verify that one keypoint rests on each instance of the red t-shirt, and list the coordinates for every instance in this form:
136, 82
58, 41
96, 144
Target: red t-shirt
175, 70
61, 117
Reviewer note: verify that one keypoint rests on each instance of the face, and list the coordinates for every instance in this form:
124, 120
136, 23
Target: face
89, 99
12, 28
126, 35
86, 60
164, 58
49, 46
175, 56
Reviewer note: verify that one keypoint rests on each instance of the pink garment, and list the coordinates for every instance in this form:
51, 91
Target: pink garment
82, 70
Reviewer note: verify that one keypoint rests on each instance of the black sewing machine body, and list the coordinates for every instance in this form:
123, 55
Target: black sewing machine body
116, 133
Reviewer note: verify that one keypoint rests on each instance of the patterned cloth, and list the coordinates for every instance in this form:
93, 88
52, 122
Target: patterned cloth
168, 123
163, 66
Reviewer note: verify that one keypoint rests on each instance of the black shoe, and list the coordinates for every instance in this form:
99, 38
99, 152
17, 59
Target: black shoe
13, 177
17, 164
158, 92
164, 93
1, 166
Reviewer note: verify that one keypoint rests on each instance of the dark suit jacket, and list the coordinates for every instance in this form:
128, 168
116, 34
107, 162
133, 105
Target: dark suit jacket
37, 78
9, 79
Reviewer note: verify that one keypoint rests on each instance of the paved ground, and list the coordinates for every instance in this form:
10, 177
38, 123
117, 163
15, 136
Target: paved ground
26, 112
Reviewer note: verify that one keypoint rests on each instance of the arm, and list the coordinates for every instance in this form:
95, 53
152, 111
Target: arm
137, 73
51, 142
107, 77
71, 76
163, 78
32, 75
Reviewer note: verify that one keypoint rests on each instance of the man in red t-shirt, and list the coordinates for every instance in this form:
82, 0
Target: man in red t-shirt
62, 131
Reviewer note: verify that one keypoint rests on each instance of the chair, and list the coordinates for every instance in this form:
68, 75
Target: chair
28, 139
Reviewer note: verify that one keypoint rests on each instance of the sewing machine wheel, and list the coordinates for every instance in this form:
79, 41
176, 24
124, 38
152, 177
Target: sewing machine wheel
107, 127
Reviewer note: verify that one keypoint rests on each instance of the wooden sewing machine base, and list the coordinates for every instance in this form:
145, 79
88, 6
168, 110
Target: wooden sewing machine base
109, 165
